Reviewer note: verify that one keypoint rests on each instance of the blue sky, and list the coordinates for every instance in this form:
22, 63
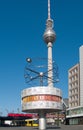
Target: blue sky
22, 24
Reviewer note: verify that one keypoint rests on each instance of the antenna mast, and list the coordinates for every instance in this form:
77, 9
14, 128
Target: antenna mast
48, 9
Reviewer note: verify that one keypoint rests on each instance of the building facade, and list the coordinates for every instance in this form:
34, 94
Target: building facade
81, 75
75, 89
74, 86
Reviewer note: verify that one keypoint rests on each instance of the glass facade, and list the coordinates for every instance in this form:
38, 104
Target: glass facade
75, 115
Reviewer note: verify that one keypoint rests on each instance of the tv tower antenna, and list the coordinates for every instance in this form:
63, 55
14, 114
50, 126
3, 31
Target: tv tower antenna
48, 9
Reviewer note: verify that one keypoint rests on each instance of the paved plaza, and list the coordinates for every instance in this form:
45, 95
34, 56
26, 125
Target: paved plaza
62, 127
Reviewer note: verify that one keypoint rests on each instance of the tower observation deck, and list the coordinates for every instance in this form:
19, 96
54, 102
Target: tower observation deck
44, 99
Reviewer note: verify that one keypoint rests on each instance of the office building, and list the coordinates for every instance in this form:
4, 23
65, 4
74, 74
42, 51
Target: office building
75, 88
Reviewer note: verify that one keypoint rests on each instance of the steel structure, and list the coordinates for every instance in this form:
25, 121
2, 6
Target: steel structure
36, 72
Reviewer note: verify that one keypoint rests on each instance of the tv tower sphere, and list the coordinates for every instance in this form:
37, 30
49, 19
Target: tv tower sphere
49, 34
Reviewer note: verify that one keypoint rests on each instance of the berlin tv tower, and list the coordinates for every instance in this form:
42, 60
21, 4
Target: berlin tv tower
49, 37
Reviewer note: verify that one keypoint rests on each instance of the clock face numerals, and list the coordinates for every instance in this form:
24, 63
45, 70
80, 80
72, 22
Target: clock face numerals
36, 72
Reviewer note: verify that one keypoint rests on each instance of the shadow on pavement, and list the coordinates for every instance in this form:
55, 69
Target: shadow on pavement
53, 127
49, 127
